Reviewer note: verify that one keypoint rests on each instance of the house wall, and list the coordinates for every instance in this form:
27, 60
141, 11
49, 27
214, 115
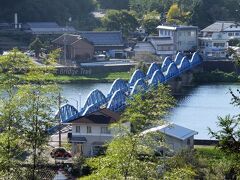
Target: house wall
177, 144
186, 39
82, 50
183, 40
92, 138
214, 45
95, 138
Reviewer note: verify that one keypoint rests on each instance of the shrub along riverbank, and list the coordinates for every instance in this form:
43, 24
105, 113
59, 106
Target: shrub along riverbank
100, 77
216, 76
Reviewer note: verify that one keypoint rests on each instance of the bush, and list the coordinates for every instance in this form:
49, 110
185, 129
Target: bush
215, 76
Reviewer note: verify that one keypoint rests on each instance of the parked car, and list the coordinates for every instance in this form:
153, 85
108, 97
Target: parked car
60, 152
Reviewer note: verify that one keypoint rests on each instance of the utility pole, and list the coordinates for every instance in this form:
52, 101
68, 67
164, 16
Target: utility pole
65, 48
59, 121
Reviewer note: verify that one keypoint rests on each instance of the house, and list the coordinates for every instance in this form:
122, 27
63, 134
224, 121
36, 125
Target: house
173, 39
176, 137
91, 132
46, 28
214, 38
77, 48
144, 48
110, 42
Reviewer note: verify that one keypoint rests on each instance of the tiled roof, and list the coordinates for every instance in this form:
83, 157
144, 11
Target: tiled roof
103, 116
43, 25
218, 26
103, 38
69, 39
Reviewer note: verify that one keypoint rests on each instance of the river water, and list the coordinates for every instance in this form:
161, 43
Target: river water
197, 109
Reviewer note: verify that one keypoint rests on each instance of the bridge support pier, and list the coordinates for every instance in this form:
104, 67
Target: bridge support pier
175, 85
187, 78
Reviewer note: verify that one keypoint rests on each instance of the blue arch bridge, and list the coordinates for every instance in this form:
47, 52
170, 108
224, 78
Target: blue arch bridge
120, 90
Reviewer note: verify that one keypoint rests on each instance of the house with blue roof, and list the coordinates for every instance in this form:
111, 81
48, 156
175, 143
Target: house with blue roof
176, 137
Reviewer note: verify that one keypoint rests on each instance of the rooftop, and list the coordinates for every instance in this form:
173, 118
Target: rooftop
68, 38
177, 27
43, 25
220, 26
103, 37
173, 130
102, 116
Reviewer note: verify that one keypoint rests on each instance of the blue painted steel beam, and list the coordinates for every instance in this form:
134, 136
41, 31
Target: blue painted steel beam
153, 67
138, 74
117, 101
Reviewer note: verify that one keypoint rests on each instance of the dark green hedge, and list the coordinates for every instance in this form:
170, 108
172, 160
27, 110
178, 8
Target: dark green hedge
216, 76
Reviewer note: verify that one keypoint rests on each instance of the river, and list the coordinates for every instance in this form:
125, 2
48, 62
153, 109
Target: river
197, 109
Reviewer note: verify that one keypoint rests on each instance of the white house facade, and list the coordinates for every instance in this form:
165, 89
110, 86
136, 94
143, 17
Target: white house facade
90, 132
214, 40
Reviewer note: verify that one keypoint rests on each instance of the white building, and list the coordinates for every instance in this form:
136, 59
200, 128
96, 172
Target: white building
176, 137
214, 40
173, 39
91, 132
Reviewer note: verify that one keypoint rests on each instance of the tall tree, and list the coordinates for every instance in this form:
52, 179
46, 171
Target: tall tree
24, 113
113, 4
148, 109
151, 21
128, 156
229, 136
120, 21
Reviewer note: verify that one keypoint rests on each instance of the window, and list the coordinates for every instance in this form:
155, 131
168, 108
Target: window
189, 33
77, 129
219, 44
188, 141
237, 34
161, 32
230, 34
105, 130
192, 33
89, 129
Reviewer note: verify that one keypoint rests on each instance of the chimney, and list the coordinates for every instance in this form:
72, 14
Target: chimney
15, 20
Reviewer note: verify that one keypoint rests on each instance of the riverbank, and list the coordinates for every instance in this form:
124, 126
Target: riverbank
100, 77
215, 77
201, 77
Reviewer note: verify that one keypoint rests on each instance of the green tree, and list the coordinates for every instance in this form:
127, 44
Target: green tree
120, 21
229, 137
132, 153
113, 4
44, 10
151, 21
128, 156
175, 15
36, 46
25, 114
148, 109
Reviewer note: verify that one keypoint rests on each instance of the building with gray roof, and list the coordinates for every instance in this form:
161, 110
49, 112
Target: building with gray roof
46, 28
214, 39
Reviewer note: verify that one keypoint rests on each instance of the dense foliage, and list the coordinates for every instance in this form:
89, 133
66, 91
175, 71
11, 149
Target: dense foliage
26, 111
196, 12
45, 10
